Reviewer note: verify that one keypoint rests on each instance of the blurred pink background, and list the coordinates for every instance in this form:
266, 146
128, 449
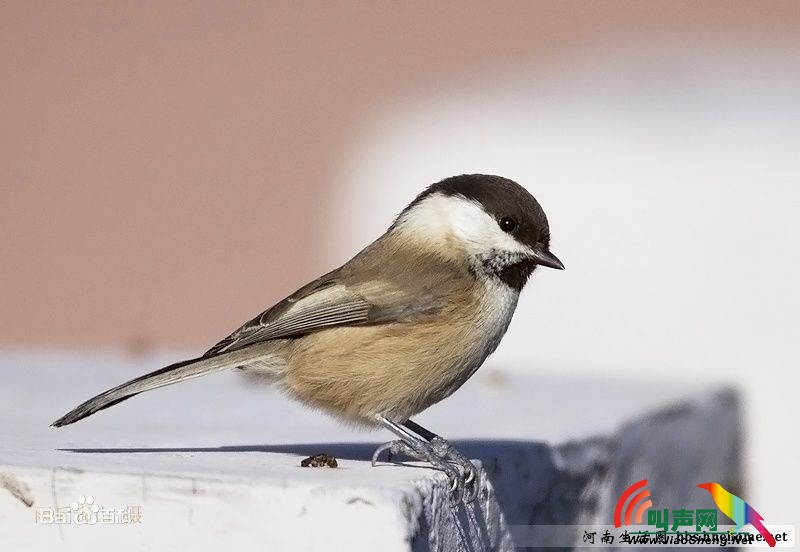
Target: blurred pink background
169, 167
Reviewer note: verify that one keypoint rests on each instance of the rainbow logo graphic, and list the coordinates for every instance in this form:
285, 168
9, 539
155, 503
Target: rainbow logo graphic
637, 506
738, 510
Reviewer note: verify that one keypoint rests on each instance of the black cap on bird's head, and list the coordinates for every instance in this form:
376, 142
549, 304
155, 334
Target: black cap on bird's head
514, 209
499, 224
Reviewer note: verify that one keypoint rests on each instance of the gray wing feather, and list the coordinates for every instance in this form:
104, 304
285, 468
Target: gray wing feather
303, 322
321, 304
363, 291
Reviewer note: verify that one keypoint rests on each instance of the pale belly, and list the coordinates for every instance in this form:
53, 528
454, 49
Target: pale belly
396, 370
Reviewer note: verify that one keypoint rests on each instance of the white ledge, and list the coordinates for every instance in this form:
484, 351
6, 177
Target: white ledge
175, 456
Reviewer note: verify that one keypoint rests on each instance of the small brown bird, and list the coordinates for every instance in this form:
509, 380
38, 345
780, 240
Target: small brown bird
399, 327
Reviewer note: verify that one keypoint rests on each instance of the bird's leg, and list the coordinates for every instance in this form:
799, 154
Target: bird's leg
443, 449
420, 449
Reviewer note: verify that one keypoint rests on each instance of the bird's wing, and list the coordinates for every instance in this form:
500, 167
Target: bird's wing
361, 292
324, 302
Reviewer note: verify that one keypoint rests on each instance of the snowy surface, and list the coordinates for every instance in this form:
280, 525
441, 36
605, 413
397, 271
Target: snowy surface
216, 460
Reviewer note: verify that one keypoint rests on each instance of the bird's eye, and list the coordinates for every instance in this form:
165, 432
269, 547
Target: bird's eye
507, 224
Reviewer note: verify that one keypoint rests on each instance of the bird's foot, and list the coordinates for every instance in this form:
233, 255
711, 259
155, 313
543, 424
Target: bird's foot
444, 450
426, 452
422, 444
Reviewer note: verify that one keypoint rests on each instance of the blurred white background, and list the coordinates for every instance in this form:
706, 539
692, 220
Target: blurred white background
670, 178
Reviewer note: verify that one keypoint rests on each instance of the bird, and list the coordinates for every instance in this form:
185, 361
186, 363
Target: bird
397, 328
738, 510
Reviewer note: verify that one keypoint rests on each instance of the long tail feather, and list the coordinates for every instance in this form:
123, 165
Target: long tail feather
174, 373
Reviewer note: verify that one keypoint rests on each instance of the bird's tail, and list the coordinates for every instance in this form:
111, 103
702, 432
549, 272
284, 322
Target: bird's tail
174, 373
763, 531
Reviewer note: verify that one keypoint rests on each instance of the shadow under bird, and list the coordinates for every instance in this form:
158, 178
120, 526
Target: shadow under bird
397, 328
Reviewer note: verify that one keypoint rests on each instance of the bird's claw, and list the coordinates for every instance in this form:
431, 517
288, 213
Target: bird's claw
471, 478
394, 447
425, 453
462, 474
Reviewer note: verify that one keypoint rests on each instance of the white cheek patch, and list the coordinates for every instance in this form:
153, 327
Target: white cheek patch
440, 216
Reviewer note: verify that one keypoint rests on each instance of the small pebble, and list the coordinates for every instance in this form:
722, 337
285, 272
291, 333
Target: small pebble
320, 460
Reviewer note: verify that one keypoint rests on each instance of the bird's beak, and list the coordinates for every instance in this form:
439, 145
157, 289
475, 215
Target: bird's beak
706, 486
542, 256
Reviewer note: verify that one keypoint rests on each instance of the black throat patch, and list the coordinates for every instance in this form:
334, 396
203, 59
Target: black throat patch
510, 268
515, 276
